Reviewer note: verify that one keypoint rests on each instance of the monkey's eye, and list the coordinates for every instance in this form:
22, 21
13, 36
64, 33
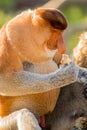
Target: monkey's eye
77, 114
85, 90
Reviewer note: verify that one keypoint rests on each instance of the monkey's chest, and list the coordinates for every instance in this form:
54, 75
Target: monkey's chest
39, 104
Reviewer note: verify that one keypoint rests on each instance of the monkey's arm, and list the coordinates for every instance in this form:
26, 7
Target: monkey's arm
19, 120
24, 82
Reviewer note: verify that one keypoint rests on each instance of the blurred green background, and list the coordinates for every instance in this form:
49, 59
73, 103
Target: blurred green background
74, 10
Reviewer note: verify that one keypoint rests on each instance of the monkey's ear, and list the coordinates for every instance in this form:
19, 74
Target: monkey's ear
54, 17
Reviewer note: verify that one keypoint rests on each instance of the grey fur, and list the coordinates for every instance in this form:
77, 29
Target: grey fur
70, 106
24, 82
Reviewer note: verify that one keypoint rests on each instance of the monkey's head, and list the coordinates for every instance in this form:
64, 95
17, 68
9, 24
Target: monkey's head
37, 35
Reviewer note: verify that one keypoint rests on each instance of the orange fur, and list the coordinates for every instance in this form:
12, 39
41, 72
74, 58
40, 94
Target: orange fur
30, 37
39, 104
9, 60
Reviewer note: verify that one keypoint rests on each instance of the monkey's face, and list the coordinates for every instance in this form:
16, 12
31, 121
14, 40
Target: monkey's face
37, 35
57, 23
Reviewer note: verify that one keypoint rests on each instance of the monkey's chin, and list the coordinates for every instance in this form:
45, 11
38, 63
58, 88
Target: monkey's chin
50, 53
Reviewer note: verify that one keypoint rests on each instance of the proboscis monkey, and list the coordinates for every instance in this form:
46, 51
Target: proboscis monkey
33, 37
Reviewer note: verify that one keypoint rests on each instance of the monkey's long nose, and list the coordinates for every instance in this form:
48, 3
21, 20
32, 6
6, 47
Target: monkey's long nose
61, 45
54, 17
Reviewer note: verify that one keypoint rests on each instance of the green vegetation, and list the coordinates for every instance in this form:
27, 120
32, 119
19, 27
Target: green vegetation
72, 41
74, 14
6, 9
7, 5
4, 17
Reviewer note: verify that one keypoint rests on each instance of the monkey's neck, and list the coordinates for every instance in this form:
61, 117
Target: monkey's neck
42, 68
